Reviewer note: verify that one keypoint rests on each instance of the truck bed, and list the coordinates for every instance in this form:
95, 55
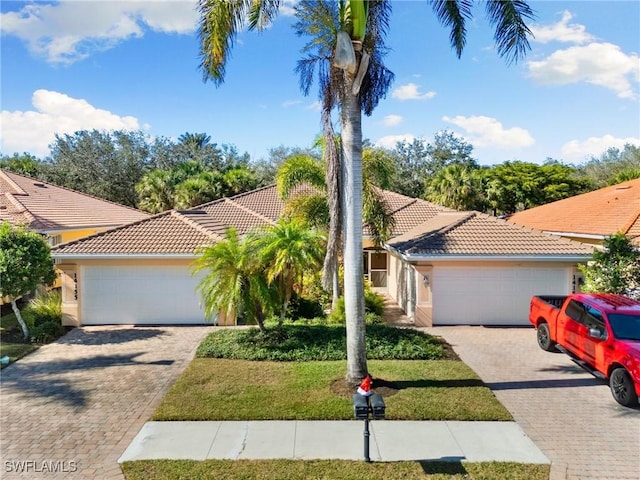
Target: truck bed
553, 300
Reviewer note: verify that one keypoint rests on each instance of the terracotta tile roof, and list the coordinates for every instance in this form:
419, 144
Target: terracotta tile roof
166, 233
264, 201
43, 206
413, 213
230, 213
420, 227
602, 212
473, 233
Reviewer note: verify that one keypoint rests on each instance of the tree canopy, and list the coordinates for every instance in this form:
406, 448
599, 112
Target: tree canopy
25, 263
616, 269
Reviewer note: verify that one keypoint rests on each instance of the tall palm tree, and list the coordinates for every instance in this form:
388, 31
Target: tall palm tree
314, 207
355, 87
194, 141
289, 248
235, 282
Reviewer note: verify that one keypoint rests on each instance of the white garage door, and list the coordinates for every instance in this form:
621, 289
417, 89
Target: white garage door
139, 296
493, 295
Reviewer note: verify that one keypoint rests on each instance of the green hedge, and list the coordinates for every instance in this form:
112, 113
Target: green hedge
318, 342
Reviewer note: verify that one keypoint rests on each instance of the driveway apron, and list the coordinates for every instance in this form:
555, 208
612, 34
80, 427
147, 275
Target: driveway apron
570, 415
71, 408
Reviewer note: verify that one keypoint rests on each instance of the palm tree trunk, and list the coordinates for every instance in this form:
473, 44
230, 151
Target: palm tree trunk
352, 222
335, 289
23, 325
330, 273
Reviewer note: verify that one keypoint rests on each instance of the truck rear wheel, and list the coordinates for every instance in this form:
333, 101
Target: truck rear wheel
622, 388
544, 338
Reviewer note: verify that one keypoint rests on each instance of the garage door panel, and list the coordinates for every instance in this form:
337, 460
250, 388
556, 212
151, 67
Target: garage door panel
139, 296
492, 295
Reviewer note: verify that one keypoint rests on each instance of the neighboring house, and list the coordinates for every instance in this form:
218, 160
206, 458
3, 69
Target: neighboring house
590, 217
442, 266
58, 213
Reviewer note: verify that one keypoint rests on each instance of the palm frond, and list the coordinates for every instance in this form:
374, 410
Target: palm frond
376, 214
263, 13
310, 208
378, 167
454, 14
511, 31
378, 78
220, 21
295, 171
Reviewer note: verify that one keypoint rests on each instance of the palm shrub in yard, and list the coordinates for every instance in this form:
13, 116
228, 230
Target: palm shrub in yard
43, 315
318, 342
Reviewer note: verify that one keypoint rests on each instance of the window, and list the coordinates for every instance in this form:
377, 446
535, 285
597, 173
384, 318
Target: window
55, 240
575, 311
375, 267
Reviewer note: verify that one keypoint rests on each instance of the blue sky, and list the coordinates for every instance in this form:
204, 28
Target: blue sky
74, 65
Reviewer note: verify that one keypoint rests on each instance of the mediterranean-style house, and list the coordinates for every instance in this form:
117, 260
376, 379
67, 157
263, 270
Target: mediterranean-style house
58, 213
590, 217
441, 266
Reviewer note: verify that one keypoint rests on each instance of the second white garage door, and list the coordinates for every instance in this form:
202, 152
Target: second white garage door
139, 296
493, 295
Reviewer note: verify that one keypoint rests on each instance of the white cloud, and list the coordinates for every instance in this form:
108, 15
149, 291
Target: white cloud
315, 106
411, 91
562, 31
392, 120
576, 150
291, 103
488, 132
69, 31
32, 131
390, 141
287, 7
602, 64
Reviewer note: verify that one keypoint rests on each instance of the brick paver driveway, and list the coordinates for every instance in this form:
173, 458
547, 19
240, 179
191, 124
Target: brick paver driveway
75, 405
569, 414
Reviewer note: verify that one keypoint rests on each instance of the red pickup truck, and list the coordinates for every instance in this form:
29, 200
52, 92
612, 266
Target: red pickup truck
600, 332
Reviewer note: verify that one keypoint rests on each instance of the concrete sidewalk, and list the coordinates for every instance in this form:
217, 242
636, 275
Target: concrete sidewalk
390, 441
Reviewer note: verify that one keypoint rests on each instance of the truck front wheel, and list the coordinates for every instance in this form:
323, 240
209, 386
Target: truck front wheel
622, 388
544, 338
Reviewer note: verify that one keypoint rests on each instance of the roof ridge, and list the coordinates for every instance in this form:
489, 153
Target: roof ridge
634, 218
37, 180
183, 217
463, 218
537, 231
10, 181
202, 205
248, 210
239, 195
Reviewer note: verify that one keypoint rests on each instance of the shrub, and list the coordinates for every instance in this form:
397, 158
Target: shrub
373, 303
296, 342
46, 307
371, 318
46, 332
43, 315
302, 307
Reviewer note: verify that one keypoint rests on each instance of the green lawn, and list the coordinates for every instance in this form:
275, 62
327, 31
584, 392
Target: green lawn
221, 389
11, 342
436, 387
15, 350
328, 469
